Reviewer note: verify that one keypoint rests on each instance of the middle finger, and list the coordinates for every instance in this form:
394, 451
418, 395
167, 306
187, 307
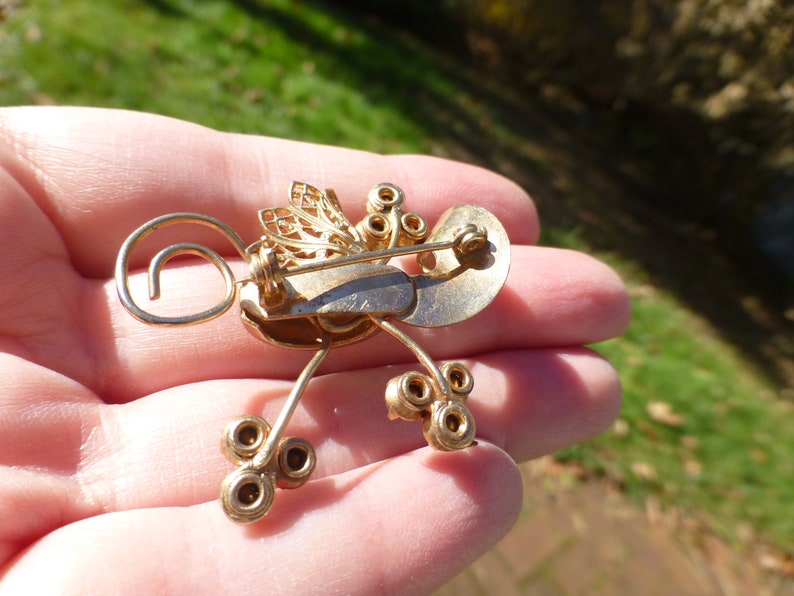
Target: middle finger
527, 402
552, 298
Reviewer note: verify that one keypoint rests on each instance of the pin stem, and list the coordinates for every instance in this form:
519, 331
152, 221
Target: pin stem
366, 257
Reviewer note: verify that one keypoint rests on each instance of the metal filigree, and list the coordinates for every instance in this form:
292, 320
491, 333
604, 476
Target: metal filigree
317, 281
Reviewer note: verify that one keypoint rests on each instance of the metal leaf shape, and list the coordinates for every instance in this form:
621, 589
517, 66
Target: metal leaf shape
313, 227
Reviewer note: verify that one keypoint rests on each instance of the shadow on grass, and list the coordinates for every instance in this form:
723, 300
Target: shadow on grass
579, 179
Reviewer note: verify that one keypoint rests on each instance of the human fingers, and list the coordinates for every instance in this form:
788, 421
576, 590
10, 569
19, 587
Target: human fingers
163, 450
552, 298
99, 174
406, 525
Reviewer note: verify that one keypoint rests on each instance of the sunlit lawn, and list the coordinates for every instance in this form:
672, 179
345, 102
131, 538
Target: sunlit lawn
701, 429
261, 70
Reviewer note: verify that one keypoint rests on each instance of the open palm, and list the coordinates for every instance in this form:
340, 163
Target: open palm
109, 429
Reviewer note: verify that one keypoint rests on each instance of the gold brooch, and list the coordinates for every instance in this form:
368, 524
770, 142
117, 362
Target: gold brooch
317, 281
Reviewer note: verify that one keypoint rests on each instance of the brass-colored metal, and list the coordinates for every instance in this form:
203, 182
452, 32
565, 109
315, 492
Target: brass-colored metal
296, 461
449, 426
454, 288
123, 264
409, 395
247, 495
460, 379
316, 281
243, 437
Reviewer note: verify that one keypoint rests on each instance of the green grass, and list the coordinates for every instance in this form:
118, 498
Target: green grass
725, 455
729, 454
293, 70
257, 70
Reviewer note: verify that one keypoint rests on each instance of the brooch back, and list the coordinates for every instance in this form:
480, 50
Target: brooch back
316, 281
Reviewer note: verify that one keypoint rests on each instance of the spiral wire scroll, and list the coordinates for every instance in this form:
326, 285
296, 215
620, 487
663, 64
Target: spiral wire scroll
161, 258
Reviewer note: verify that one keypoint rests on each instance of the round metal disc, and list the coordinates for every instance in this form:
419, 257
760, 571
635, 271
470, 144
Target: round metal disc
453, 291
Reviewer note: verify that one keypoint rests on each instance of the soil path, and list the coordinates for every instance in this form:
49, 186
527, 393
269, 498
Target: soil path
585, 537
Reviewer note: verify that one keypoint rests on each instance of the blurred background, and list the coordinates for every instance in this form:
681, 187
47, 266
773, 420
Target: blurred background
656, 134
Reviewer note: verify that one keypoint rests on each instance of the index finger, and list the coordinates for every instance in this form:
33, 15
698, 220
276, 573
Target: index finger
99, 174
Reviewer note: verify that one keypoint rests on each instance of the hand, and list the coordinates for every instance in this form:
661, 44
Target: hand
109, 428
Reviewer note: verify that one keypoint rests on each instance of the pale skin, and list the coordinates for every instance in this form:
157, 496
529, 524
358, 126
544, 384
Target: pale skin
109, 429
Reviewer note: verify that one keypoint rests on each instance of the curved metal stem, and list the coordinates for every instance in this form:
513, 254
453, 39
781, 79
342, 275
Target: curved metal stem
157, 263
264, 455
422, 356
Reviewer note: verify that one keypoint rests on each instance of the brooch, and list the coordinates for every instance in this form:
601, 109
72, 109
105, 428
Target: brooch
316, 281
